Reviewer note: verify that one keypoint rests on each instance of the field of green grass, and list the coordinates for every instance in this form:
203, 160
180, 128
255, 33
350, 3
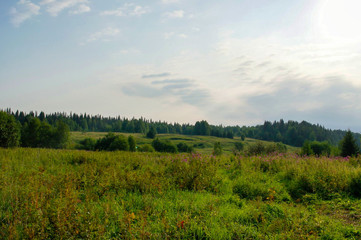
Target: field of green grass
70, 194
202, 144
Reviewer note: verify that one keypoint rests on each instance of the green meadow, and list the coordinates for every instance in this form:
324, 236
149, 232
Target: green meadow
202, 144
71, 194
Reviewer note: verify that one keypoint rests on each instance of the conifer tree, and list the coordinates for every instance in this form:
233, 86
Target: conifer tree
348, 145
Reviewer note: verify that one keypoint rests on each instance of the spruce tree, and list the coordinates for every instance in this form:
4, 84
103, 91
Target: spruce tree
348, 145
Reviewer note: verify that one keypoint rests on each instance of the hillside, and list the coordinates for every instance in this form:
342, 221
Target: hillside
201, 144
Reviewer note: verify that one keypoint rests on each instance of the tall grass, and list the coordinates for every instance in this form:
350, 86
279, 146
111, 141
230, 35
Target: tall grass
64, 194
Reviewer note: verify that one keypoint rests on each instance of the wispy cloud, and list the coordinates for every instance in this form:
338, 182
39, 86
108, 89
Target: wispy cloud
130, 51
170, 1
23, 11
104, 35
185, 90
81, 9
54, 7
128, 9
175, 14
169, 35
172, 81
158, 75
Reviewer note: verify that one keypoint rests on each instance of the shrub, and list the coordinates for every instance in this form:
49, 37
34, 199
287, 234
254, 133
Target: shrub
183, 147
217, 149
119, 143
275, 147
316, 148
355, 186
146, 148
87, 144
132, 143
238, 146
112, 143
250, 190
256, 149
300, 186
164, 146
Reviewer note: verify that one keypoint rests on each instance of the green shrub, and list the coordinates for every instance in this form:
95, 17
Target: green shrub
164, 146
132, 143
111, 142
256, 149
183, 147
146, 148
300, 186
87, 144
355, 186
217, 149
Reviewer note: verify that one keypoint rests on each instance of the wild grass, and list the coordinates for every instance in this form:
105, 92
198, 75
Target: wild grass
68, 194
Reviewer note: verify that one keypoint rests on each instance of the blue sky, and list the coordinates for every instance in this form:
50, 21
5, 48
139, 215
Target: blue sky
231, 62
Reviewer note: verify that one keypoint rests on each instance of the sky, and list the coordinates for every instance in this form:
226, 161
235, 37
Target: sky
230, 62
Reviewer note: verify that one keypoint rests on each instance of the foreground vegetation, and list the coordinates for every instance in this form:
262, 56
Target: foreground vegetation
53, 194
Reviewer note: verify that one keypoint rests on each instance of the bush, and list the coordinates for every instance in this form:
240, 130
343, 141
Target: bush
87, 144
256, 149
217, 149
112, 143
146, 148
238, 146
355, 186
164, 146
132, 143
119, 143
183, 147
316, 148
275, 147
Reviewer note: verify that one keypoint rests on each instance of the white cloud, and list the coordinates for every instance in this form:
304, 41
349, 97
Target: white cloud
169, 35
175, 14
54, 7
169, 1
128, 9
81, 9
104, 35
24, 10
130, 51
182, 35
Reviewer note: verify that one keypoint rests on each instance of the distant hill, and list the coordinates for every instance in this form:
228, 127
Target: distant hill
291, 133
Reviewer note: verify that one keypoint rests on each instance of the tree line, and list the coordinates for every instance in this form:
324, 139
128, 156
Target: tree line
295, 134
291, 132
97, 123
32, 133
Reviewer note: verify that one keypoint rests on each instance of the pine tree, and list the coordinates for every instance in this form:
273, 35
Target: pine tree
348, 145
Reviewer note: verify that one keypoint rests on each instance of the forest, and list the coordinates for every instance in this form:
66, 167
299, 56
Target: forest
291, 132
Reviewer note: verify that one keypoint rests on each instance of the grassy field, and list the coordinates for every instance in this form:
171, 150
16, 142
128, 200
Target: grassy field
69, 194
202, 144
